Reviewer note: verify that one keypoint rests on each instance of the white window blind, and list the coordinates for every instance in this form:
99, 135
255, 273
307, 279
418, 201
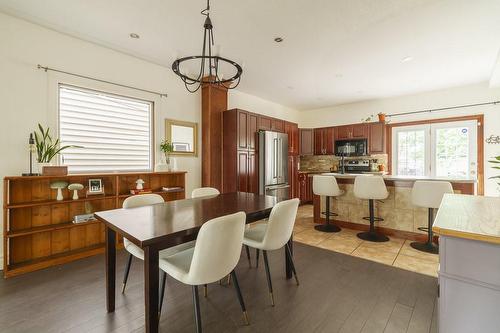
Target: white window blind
114, 131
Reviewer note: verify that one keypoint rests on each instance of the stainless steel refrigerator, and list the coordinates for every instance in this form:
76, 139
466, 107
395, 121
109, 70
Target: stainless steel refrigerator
273, 164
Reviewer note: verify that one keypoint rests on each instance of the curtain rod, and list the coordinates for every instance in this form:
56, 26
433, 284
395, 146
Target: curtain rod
443, 109
45, 68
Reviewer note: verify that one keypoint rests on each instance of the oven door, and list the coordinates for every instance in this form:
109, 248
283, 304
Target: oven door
282, 192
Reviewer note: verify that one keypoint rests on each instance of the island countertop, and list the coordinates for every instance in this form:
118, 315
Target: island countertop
469, 217
403, 178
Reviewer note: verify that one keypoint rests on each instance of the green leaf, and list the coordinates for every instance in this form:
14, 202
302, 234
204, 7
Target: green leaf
494, 177
494, 161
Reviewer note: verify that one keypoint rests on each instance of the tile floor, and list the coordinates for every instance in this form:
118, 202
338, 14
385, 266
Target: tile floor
397, 252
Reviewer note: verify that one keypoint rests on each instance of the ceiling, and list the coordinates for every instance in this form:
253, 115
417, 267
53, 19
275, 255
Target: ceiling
334, 51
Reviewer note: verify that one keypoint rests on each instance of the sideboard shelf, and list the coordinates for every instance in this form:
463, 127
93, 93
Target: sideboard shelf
38, 229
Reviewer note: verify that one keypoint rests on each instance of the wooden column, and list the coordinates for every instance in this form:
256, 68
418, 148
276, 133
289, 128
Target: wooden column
213, 103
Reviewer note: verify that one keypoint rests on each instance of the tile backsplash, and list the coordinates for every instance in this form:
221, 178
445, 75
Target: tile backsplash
325, 162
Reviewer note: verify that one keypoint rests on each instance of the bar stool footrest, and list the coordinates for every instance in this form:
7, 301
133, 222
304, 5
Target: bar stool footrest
375, 219
426, 229
331, 214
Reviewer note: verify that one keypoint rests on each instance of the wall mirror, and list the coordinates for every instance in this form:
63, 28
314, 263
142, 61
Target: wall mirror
183, 135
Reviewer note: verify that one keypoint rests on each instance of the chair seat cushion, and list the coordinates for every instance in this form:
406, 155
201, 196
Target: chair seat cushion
139, 253
177, 265
255, 235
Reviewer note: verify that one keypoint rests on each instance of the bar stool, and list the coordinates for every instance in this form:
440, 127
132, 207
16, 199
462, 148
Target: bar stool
328, 187
371, 187
428, 194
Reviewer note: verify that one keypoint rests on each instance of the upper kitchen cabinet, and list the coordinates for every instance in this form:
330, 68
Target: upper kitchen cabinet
241, 126
306, 141
271, 124
292, 130
355, 131
323, 141
376, 140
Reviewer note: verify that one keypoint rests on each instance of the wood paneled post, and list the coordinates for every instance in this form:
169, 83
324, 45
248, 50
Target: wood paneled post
213, 103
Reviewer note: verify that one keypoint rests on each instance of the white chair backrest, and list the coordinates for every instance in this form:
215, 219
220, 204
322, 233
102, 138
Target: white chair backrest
204, 191
218, 249
280, 225
429, 193
370, 187
326, 185
142, 200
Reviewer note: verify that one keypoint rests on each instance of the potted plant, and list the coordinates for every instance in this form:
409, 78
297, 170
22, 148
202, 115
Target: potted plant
381, 117
496, 165
167, 148
46, 150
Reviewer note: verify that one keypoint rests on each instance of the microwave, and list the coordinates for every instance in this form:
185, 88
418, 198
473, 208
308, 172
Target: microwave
357, 147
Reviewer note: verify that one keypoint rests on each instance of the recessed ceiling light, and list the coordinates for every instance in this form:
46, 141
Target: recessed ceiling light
290, 87
278, 39
407, 59
339, 75
134, 35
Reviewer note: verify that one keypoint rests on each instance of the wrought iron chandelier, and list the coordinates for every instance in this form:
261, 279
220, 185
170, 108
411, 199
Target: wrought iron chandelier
210, 65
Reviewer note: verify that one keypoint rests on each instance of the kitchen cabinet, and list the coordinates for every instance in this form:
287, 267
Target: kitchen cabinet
240, 157
323, 141
293, 180
306, 141
277, 125
292, 130
305, 188
376, 140
355, 131
265, 123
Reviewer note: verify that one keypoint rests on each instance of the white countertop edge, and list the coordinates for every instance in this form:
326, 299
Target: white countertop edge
403, 178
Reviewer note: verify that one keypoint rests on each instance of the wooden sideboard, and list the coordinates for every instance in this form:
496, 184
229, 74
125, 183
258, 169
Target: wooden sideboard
38, 229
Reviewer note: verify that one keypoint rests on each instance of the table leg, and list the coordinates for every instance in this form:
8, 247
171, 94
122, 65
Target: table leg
151, 286
288, 265
110, 269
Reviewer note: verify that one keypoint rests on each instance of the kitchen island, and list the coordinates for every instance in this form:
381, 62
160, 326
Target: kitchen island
401, 218
469, 256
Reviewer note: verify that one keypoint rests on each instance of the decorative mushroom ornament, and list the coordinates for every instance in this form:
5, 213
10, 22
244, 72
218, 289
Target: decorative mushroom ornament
59, 185
139, 184
75, 188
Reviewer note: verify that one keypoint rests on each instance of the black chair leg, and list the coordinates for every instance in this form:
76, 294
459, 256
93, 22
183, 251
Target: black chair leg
257, 254
247, 249
127, 270
162, 291
429, 246
197, 314
372, 235
205, 290
268, 274
240, 297
289, 254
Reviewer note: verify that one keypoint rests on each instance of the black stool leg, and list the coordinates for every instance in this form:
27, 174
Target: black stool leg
327, 227
197, 314
372, 235
240, 297
162, 291
125, 275
268, 274
429, 246
290, 257
248, 256
257, 254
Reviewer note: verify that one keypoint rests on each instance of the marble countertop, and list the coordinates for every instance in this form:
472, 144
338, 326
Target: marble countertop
401, 178
469, 217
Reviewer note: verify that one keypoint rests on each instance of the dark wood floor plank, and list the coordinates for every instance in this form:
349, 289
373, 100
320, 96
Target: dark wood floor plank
400, 317
421, 318
337, 293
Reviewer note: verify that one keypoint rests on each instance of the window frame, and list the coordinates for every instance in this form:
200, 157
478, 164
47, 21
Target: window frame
152, 157
427, 154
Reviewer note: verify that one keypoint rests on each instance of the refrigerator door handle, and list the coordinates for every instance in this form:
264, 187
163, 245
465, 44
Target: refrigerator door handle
275, 159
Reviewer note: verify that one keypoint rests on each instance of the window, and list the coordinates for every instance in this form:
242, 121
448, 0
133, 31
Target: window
115, 132
446, 149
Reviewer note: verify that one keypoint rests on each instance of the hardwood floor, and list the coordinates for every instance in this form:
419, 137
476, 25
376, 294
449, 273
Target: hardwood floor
338, 293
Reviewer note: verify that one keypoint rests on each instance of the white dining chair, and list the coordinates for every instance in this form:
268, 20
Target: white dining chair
136, 251
204, 192
274, 235
215, 255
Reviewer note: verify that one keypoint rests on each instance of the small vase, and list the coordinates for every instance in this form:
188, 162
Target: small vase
162, 165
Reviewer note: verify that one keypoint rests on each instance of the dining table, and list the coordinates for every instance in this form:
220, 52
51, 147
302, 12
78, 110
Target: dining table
160, 226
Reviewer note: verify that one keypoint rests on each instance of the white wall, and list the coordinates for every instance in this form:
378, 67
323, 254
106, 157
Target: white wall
355, 112
29, 96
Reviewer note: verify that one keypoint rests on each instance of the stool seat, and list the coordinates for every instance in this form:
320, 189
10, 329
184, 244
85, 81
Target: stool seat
327, 186
371, 187
428, 194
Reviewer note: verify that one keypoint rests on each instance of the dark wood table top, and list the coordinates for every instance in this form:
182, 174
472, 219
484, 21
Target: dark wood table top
169, 223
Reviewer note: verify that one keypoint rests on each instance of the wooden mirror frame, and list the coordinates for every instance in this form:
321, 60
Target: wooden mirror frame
168, 135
